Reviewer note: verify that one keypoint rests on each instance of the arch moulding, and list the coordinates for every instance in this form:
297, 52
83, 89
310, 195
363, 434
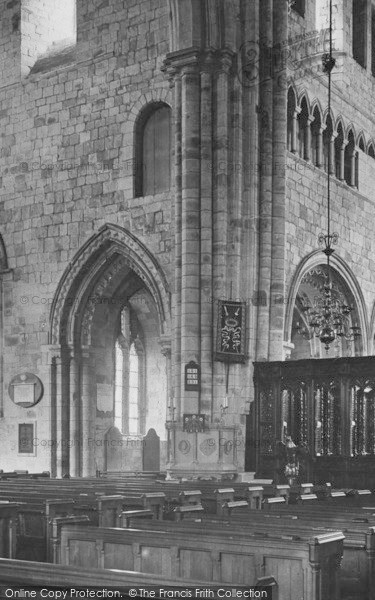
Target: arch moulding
78, 276
338, 264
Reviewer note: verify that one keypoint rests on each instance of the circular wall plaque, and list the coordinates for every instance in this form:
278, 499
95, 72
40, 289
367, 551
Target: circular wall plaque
25, 390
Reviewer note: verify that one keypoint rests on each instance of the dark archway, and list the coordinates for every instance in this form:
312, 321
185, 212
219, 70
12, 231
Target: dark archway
113, 279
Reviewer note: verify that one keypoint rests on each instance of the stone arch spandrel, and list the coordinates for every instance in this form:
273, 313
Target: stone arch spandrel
79, 275
338, 264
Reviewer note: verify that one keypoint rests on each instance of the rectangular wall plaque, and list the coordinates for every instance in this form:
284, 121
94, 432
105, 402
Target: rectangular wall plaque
24, 392
26, 438
192, 377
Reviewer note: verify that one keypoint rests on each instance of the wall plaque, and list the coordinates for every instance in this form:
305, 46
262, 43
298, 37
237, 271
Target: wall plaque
192, 377
25, 390
26, 438
231, 331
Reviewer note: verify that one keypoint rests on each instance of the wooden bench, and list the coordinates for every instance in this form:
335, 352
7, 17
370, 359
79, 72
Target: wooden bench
358, 566
24, 475
307, 567
34, 526
126, 516
8, 529
40, 575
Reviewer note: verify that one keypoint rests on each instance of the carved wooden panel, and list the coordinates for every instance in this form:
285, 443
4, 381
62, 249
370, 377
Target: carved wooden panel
156, 560
267, 435
195, 564
288, 574
118, 556
238, 568
83, 554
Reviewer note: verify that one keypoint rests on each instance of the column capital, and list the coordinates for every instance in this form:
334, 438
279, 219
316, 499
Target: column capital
54, 353
165, 346
194, 60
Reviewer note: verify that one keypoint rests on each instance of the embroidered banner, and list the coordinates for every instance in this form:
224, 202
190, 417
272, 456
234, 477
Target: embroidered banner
231, 331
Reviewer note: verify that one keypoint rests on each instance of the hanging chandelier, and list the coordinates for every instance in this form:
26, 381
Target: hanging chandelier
329, 317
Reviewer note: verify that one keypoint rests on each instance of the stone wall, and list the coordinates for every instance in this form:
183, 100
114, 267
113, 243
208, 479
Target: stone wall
67, 147
353, 210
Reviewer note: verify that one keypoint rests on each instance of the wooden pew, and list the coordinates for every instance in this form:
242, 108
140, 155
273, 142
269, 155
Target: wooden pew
307, 567
24, 475
358, 565
217, 502
53, 546
8, 527
127, 516
34, 526
36, 574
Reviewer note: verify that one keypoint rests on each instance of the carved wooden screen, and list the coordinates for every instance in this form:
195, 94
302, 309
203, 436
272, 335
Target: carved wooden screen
362, 418
294, 412
327, 407
267, 437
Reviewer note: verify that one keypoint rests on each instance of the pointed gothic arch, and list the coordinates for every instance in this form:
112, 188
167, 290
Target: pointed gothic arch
79, 277
349, 281
112, 270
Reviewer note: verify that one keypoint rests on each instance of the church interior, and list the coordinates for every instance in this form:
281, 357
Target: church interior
187, 298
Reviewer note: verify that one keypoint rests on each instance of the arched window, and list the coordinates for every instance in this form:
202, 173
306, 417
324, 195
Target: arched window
350, 174
359, 31
316, 139
327, 142
119, 386
291, 121
303, 125
371, 151
339, 153
153, 151
129, 377
361, 144
133, 397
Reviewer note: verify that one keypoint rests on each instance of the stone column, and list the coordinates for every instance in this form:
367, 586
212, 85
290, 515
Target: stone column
166, 351
353, 167
307, 133
319, 153
220, 215
190, 229
294, 148
56, 405
206, 258
279, 133
88, 412
64, 450
332, 165
341, 174
74, 422
176, 297
265, 178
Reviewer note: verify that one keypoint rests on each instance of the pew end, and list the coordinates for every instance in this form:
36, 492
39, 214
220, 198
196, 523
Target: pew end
181, 512
269, 582
126, 516
254, 496
272, 503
